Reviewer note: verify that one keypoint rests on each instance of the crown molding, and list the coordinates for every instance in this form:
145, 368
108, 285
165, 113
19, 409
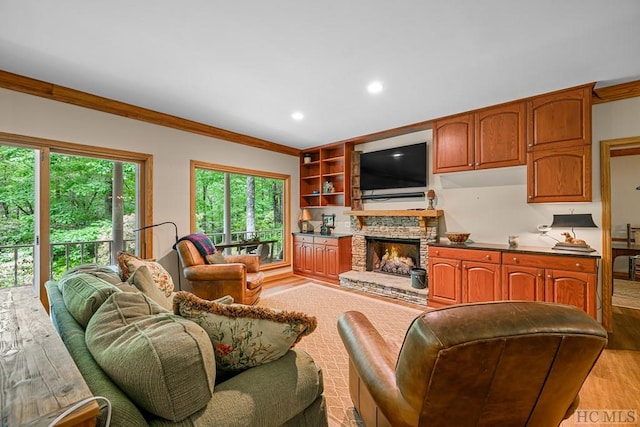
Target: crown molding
54, 92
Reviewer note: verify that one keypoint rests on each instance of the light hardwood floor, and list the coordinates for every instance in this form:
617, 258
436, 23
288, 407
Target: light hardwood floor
613, 387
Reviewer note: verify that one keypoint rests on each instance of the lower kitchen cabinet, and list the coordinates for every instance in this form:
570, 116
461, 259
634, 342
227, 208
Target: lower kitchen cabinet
464, 275
321, 257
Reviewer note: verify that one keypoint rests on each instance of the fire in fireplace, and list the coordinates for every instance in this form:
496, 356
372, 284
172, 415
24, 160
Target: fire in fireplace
392, 256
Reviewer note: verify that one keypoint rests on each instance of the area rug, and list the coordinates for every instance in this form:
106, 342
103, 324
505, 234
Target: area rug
626, 293
325, 345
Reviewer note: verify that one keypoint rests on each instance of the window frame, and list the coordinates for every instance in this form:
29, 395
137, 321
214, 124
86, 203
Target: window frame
286, 245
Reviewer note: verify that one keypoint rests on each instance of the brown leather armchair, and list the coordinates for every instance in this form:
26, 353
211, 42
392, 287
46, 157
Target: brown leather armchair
240, 277
488, 364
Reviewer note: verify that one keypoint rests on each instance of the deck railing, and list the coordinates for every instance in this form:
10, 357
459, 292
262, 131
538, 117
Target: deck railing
16, 261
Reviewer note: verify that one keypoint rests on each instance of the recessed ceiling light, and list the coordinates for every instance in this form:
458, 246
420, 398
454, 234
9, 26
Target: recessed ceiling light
375, 87
297, 115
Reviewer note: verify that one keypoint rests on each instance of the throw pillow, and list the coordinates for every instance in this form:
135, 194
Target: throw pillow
128, 263
164, 363
142, 279
104, 272
216, 258
244, 336
83, 294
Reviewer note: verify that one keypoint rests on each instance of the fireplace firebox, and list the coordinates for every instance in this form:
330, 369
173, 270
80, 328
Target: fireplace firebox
392, 255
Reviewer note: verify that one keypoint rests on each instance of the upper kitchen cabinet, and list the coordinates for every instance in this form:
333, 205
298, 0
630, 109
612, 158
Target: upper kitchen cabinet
489, 138
453, 144
559, 119
325, 174
500, 136
559, 146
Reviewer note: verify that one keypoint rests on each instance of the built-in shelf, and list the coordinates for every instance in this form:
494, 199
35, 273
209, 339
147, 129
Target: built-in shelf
422, 214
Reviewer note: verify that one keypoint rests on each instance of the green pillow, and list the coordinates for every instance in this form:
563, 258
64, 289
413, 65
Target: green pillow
83, 294
164, 363
142, 279
244, 336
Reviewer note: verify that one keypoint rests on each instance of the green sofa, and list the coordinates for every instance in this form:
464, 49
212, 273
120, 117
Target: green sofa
285, 392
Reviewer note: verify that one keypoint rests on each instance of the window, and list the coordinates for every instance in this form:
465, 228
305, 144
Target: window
58, 210
242, 211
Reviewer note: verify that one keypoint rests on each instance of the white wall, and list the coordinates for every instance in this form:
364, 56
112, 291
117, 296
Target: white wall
172, 151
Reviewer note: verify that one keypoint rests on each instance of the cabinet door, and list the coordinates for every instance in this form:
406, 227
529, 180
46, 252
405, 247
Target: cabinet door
500, 134
453, 144
559, 175
444, 282
522, 283
298, 255
480, 282
559, 120
318, 260
331, 262
571, 288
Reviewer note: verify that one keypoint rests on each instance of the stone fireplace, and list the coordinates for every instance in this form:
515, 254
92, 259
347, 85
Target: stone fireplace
418, 227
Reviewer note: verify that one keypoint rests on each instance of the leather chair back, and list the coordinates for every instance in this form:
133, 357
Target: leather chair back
487, 364
189, 254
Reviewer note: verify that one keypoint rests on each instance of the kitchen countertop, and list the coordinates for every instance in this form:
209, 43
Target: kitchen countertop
336, 235
518, 249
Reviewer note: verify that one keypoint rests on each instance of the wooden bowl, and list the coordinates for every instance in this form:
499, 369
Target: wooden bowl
457, 237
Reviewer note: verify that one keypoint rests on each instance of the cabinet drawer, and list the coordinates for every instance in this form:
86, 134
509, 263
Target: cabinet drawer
492, 257
567, 263
306, 239
325, 241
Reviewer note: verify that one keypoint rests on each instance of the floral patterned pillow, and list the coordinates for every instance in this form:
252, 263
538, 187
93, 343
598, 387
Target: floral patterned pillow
128, 263
244, 336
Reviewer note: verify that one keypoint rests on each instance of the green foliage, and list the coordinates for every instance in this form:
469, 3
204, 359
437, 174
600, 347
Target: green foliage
268, 201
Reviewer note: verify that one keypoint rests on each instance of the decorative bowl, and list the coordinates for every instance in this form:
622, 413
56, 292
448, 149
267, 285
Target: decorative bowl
457, 237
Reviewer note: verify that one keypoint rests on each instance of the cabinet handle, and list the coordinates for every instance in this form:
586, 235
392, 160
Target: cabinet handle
437, 252
488, 256
477, 164
515, 259
531, 197
549, 276
578, 265
530, 145
539, 274
470, 164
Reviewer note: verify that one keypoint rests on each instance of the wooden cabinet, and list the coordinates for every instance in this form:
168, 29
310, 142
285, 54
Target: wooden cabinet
567, 279
559, 175
453, 144
522, 283
465, 275
325, 177
445, 281
303, 254
489, 138
560, 119
321, 257
460, 276
559, 147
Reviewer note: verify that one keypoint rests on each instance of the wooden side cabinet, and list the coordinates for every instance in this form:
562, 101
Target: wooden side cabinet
321, 257
566, 279
466, 275
453, 144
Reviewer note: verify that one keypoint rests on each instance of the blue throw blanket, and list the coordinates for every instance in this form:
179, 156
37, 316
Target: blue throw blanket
202, 243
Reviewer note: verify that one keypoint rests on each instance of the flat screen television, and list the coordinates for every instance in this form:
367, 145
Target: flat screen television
394, 168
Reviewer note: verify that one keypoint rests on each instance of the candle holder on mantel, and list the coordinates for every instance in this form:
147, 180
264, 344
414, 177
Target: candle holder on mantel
431, 194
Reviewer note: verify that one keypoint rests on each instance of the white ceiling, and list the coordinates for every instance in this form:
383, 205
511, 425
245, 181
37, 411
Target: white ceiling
245, 66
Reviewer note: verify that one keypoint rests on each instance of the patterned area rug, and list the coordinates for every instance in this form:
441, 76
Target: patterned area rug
325, 345
626, 293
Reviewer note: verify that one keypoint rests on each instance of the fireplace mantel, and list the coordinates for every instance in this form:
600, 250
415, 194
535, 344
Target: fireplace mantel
422, 215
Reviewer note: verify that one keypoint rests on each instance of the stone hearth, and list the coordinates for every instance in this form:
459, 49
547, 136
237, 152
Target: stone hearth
405, 224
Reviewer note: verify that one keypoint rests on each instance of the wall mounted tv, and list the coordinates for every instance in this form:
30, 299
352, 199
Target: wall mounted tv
394, 168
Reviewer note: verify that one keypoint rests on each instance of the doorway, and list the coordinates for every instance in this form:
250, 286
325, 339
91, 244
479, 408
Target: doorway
606, 148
